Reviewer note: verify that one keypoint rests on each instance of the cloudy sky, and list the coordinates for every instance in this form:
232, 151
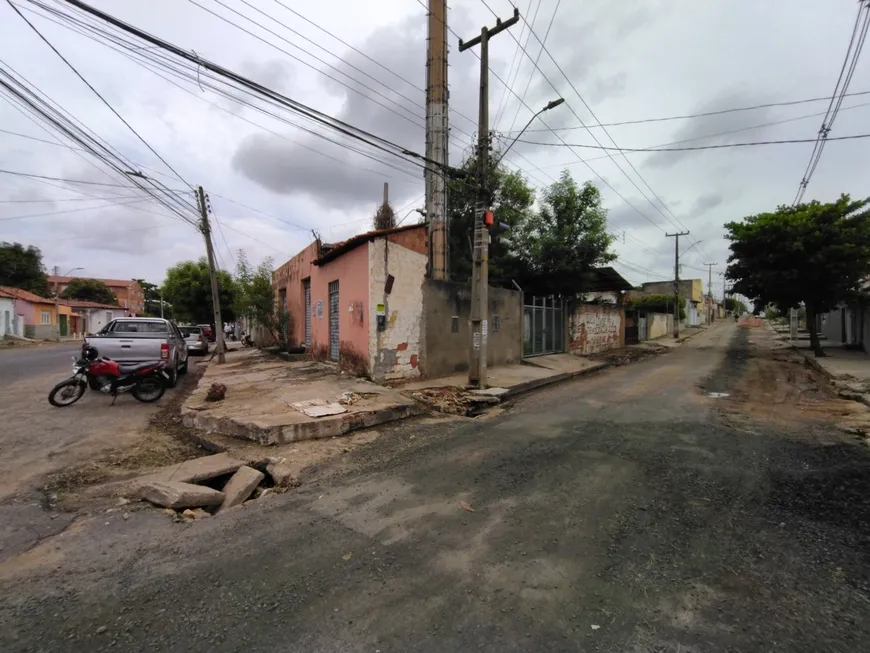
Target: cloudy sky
271, 180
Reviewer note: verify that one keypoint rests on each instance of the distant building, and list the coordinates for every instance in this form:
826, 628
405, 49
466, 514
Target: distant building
129, 293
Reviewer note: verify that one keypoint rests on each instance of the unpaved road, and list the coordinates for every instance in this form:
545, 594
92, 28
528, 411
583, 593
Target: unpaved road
630, 511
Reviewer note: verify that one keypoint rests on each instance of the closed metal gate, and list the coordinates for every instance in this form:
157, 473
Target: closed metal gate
543, 326
333, 321
642, 329
307, 286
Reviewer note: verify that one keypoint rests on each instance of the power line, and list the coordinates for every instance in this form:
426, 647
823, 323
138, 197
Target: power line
850, 62
69, 181
95, 91
704, 114
698, 147
86, 208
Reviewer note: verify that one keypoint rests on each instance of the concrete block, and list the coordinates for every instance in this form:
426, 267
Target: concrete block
282, 474
491, 392
240, 486
176, 495
202, 469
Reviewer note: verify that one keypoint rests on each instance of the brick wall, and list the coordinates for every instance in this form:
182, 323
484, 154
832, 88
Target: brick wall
594, 328
395, 351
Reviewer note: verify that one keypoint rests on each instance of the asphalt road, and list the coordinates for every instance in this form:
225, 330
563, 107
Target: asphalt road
630, 511
17, 364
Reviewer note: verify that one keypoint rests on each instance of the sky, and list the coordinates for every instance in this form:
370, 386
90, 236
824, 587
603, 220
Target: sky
272, 182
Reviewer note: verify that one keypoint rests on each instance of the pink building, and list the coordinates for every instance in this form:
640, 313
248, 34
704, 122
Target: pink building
360, 301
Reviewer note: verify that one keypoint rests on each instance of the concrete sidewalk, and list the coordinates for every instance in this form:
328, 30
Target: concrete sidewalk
533, 373
270, 401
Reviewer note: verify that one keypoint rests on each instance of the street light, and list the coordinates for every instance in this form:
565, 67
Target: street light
56, 297
550, 105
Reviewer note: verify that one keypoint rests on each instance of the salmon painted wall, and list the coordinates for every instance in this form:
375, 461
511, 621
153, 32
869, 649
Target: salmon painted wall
351, 270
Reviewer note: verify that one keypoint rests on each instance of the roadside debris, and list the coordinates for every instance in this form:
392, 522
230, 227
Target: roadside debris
216, 392
177, 495
465, 506
627, 355
241, 486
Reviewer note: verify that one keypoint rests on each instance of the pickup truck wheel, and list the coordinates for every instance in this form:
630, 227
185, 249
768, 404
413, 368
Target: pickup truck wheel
182, 367
172, 377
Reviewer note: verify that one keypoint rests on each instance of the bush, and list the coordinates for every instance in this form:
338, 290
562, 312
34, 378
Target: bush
657, 304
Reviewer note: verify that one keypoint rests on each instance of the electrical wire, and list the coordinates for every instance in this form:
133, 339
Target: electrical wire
850, 62
78, 210
95, 91
706, 113
514, 73
698, 147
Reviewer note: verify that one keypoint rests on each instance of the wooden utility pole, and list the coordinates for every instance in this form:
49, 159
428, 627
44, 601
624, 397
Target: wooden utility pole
212, 273
676, 237
710, 267
480, 259
437, 132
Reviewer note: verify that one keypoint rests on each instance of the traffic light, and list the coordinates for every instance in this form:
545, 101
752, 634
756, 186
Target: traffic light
498, 232
488, 218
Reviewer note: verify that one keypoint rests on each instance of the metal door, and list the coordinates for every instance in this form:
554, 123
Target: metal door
543, 326
307, 286
64, 327
333, 321
642, 328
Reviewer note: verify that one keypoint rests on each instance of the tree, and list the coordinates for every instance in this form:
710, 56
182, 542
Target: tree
813, 254
564, 240
151, 293
385, 217
255, 298
511, 201
188, 289
22, 267
735, 306
89, 290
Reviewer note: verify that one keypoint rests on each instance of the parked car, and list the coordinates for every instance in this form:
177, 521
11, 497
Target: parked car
134, 340
208, 331
196, 339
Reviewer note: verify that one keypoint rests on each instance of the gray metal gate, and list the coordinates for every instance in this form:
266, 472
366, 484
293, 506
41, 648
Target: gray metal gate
307, 286
333, 321
543, 326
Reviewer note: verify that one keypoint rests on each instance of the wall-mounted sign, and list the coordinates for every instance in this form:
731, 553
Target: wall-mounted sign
319, 309
381, 310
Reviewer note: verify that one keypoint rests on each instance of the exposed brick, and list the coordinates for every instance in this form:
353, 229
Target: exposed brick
414, 361
402, 346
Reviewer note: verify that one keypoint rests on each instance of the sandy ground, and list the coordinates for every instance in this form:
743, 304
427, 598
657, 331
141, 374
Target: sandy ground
701, 500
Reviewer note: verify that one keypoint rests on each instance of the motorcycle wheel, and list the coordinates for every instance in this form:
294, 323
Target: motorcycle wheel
66, 393
149, 389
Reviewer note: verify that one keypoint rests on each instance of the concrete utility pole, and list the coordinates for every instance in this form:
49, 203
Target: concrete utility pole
480, 259
676, 238
710, 267
437, 132
56, 302
212, 273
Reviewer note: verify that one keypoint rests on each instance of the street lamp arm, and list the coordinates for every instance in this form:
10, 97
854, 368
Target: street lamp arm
550, 105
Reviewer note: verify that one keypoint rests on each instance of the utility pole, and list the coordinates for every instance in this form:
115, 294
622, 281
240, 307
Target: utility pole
437, 132
480, 268
212, 273
710, 267
676, 238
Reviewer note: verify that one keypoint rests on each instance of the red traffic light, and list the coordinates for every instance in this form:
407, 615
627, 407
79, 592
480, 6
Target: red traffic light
488, 218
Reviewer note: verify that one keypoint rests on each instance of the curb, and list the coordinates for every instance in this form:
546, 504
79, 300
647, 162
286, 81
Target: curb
528, 386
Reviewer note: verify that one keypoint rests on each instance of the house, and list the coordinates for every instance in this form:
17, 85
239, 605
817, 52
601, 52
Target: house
129, 293
42, 319
367, 302
90, 317
692, 290
11, 322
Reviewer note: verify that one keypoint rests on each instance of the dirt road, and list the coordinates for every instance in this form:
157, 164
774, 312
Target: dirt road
698, 501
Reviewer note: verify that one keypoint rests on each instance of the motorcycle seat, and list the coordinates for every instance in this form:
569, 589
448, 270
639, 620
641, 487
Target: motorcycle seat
131, 369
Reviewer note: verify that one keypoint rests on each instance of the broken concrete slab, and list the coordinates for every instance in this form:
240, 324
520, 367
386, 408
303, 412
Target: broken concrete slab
199, 469
240, 486
491, 392
319, 407
177, 495
282, 474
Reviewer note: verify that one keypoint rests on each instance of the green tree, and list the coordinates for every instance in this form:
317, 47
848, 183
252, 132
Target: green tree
511, 201
735, 305
558, 245
22, 267
657, 304
188, 289
813, 254
89, 290
151, 293
255, 298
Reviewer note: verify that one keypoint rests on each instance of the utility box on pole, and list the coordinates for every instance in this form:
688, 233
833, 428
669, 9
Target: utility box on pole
437, 133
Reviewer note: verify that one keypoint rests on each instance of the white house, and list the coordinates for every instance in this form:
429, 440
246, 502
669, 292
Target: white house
91, 316
11, 323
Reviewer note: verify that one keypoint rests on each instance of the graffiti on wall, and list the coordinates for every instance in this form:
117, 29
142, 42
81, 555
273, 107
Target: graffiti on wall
593, 328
